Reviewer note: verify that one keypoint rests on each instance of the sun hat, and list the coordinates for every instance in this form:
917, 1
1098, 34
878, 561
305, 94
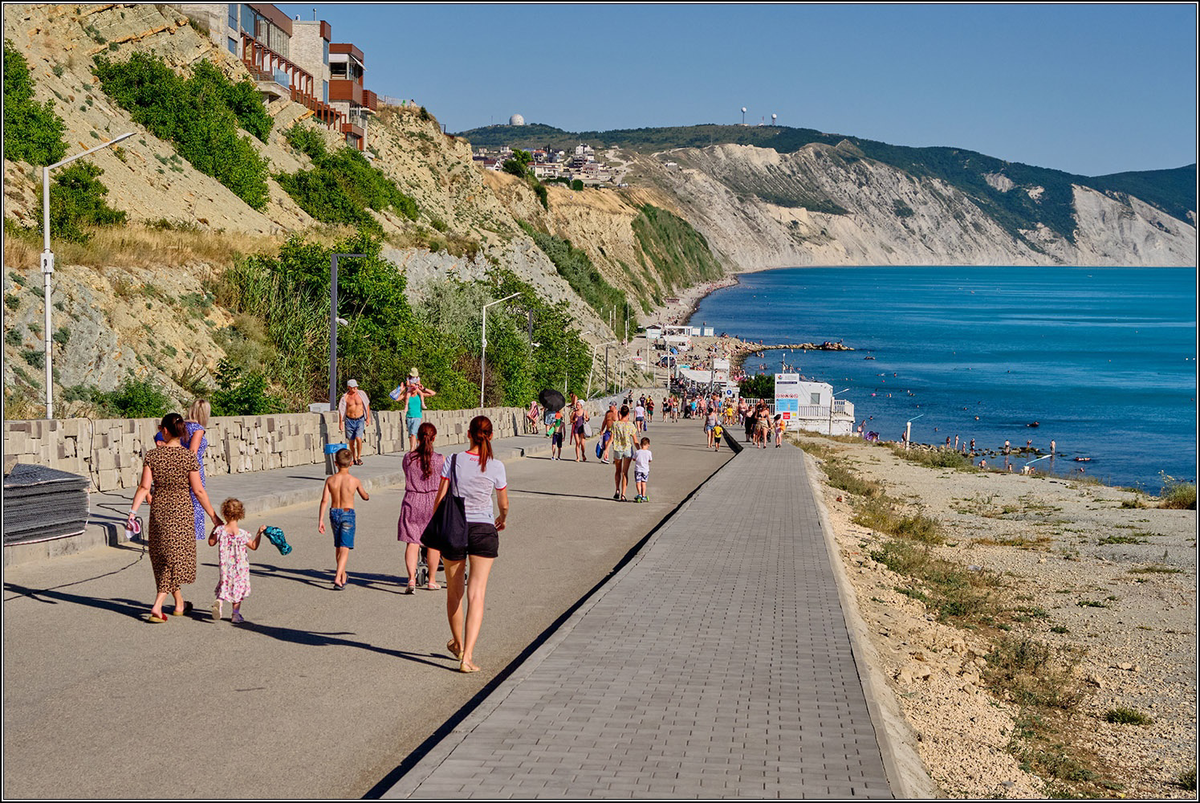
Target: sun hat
413, 373
353, 383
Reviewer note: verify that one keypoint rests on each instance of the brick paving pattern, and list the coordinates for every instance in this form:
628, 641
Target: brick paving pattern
716, 664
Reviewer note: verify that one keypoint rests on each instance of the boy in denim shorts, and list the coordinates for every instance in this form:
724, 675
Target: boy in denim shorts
339, 498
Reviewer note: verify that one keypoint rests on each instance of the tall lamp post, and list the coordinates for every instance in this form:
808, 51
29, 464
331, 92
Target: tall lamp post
831, 396
483, 340
333, 324
48, 261
908, 430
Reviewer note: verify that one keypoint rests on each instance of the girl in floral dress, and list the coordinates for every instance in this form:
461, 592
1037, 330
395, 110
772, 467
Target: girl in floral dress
232, 542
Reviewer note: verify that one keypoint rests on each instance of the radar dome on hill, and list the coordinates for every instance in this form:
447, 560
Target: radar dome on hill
516, 119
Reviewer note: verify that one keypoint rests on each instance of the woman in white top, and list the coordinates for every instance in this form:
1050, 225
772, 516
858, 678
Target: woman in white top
478, 474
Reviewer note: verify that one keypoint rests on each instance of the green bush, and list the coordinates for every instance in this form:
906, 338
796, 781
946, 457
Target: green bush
242, 393
200, 115
576, 185
77, 200
136, 398
1127, 716
1177, 495
342, 185
759, 386
33, 133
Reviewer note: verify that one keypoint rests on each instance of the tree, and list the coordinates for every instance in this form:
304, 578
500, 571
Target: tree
33, 133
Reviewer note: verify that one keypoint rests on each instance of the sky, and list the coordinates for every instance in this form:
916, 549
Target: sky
1090, 89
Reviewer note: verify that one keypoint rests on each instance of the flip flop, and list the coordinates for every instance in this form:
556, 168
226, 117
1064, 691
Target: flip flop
410, 590
157, 619
450, 647
187, 608
462, 667
433, 587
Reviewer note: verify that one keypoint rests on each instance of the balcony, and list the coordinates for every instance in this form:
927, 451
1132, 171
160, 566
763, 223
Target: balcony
370, 100
343, 90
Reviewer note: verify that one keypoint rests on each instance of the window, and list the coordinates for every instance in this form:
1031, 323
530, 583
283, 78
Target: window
247, 22
232, 44
325, 50
233, 16
325, 91
815, 398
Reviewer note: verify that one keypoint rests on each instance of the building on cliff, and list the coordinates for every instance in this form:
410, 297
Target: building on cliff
293, 59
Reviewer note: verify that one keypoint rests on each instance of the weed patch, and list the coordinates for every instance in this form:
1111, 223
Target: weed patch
1126, 716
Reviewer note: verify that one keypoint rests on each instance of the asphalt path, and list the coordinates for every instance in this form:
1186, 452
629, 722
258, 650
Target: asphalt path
322, 693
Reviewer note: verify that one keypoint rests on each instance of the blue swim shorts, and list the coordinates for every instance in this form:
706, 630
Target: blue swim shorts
342, 522
355, 427
413, 424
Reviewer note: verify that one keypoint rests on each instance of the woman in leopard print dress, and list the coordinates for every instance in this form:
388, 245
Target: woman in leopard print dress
174, 472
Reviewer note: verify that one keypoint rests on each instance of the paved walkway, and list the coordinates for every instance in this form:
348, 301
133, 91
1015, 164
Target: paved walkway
716, 664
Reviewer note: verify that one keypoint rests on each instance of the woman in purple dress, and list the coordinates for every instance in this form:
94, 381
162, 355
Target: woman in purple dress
422, 476
195, 440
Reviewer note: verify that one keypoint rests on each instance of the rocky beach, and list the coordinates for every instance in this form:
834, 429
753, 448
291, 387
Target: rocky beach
1098, 583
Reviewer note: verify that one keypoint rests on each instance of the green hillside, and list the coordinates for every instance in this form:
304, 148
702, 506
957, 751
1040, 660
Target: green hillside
1172, 191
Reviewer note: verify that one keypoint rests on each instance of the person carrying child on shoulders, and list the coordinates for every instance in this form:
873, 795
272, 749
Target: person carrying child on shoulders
232, 542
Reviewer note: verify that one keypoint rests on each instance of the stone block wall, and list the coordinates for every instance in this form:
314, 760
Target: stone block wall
110, 451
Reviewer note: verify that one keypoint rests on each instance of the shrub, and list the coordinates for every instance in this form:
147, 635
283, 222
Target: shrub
242, 393
342, 185
77, 200
33, 133
137, 398
1187, 780
1034, 673
1127, 716
1177, 495
576, 185
680, 254
200, 115
759, 386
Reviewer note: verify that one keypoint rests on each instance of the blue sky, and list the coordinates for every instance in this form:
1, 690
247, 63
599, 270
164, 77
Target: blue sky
1090, 89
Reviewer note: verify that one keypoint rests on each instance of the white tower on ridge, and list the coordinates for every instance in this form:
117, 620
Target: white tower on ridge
516, 119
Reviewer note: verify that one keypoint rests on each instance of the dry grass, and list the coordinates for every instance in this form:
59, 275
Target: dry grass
139, 246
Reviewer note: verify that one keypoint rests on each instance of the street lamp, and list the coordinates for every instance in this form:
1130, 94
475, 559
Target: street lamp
831, 396
908, 430
483, 340
48, 261
333, 325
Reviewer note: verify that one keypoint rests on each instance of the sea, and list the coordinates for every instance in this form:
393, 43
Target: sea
1103, 360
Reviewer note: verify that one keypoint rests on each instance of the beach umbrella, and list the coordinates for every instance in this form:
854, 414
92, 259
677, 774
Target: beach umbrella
552, 400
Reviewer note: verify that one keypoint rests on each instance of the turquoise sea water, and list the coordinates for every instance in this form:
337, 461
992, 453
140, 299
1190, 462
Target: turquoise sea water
1104, 359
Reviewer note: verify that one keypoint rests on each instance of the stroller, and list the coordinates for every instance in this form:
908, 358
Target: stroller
423, 568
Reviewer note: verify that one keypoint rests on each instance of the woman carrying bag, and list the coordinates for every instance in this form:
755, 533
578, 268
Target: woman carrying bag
473, 534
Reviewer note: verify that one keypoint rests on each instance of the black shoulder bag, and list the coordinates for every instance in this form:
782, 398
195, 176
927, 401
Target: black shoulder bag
448, 527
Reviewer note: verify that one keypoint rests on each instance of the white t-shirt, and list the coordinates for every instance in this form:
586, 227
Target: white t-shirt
475, 486
639, 412
641, 461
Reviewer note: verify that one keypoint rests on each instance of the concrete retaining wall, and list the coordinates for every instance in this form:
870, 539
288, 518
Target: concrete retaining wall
110, 452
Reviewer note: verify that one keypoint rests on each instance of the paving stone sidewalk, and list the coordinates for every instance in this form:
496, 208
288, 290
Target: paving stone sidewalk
717, 664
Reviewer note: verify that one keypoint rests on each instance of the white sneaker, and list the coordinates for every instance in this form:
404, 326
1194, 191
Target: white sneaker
216, 611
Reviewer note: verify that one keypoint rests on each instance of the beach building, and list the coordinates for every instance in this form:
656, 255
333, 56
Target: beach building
347, 93
818, 411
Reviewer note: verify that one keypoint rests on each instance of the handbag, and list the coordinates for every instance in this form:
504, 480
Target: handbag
587, 429
448, 527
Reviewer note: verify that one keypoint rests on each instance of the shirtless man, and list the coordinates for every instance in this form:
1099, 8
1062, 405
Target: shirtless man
354, 416
338, 498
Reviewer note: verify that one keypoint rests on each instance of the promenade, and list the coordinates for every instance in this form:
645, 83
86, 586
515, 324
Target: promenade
717, 664
321, 694
714, 663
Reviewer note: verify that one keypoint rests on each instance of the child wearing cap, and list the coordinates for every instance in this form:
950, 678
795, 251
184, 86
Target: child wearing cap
414, 409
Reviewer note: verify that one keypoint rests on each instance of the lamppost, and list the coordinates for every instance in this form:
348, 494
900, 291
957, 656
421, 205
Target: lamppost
831, 397
483, 351
333, 325
908, 430
48, 261
607, 346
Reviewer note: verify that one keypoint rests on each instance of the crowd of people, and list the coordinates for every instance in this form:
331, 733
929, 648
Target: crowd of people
173, 484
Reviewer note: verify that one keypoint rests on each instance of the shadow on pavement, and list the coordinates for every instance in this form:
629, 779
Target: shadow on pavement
136, 609
311, 639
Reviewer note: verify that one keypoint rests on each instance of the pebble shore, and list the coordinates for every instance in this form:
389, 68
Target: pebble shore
1115, 583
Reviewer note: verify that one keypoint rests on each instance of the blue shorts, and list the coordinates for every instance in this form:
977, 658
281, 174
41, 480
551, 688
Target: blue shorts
641, 476
413, 424
355, 427
342, 522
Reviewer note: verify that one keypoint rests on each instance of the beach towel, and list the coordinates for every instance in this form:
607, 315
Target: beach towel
276, 537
